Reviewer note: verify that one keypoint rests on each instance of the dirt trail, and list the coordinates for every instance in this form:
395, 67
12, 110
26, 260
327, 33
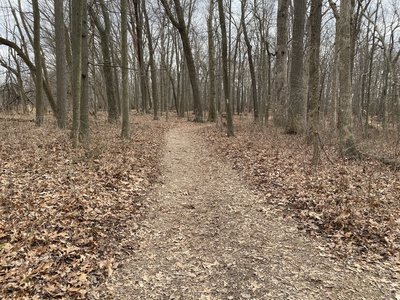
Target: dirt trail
208, 236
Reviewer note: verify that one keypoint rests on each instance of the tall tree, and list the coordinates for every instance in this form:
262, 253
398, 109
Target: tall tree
38, 64
105, 37
314, 77
140, 54
370, 68
152, 63
60, 64
225, 75
347, 143
180, 24
251, 63
124, 69
84, 101
296, 117
281, 63
212, 116
334, 107
76, 48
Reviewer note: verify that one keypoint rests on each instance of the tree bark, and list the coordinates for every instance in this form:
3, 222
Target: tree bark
370, 67
281, 64
38, 64
347, 143
314, 77
84, 101
224, 44
211, 65
125, 132
76, 48
61, 70
153, 69
296, 117
140, 54
251, 63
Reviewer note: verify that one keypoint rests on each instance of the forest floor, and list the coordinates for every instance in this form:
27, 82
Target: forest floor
67, 215
182, 212
210, 234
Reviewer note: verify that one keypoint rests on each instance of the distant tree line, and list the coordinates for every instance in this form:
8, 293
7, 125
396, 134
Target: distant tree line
300, 65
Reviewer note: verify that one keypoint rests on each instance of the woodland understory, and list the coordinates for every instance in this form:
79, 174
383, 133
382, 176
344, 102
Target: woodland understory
301, 98
68, 216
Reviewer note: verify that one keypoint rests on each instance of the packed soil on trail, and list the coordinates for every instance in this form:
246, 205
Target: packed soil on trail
209, 236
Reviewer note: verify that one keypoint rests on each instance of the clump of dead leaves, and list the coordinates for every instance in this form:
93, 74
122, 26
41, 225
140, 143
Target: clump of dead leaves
354, 204
65, 214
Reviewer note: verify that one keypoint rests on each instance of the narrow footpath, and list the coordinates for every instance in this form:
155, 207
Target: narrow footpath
208, 236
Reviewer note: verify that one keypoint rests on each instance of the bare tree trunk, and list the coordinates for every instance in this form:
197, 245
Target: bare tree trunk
76, 47
281, 64
251, 63
84, 101
115, 63
224, 44
347, 143
21, 85
314, 77
211, 65
107, 67
140, 54
385, 92
234, 89
61, 70
335, 81
153, 69
370, 66
38, 64
296, 118
124, 69
269, 89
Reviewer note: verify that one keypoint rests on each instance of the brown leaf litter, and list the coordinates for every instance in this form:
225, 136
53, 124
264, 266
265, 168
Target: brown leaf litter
67, 216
